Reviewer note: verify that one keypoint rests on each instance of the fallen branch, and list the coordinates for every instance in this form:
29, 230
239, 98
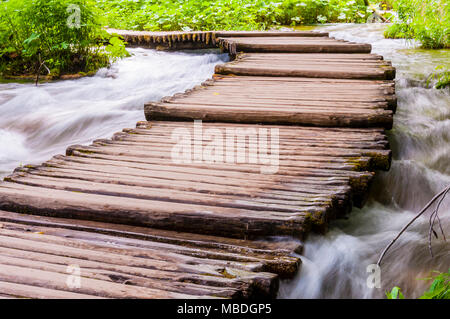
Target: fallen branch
440, 195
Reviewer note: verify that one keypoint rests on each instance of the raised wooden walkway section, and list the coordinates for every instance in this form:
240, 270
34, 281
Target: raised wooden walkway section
141, 225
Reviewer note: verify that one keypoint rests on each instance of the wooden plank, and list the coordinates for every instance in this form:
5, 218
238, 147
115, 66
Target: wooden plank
299, 65
153, 213
80, 188
383, 73
160, 111
36, 251
151, 236
16, 290
291, 45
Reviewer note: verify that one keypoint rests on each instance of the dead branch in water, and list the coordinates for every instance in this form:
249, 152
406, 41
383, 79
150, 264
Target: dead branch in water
434, 215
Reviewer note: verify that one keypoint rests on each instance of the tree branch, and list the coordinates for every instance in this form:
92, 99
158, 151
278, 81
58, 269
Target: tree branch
440, 195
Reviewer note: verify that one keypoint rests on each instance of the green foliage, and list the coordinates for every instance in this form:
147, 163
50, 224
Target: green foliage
441, 76
155, 15
425, 20
116, 47
395, 293
48, 30
439, 289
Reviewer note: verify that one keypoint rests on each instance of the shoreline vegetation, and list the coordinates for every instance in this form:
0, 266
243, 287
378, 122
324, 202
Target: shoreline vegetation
438, 289
206, 15
427, 21
60, 39
54, 38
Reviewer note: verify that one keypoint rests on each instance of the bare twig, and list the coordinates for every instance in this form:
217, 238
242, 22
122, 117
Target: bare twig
433, 216
440, 195
41, 64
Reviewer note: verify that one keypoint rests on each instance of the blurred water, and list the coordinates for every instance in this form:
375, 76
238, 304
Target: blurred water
334, 266
38, 122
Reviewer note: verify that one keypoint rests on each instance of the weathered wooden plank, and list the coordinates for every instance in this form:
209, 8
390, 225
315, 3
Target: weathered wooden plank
298, 190
278, 250
317, 117
291, 45
379, 73
205, 185
151, 213
297, 65
36, 251
19, 290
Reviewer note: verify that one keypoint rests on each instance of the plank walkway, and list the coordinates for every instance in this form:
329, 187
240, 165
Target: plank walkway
142, 224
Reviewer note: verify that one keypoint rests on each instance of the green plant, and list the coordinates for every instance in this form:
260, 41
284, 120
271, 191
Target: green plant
441, 76
156, 15
427, 21
439, 288
395, 293
41, 31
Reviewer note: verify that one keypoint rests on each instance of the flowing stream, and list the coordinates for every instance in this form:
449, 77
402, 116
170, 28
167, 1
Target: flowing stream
335, 265
39, 122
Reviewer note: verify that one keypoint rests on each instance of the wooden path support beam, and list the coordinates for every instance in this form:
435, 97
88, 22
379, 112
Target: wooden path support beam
38, 254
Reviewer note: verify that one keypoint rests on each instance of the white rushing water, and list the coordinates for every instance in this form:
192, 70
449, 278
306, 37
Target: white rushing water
334, 265
39, 122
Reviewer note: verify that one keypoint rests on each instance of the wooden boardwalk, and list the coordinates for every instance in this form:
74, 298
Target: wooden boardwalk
140, 222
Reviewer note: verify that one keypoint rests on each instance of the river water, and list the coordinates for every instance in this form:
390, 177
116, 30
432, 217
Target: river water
38, 122
335, 265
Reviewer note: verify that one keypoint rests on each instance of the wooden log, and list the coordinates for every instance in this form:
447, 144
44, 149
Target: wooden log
249, 255
386, 73
303, 46
155, 264
350, 57
256, 203
184, 217
15, 290
37, 254
324, 118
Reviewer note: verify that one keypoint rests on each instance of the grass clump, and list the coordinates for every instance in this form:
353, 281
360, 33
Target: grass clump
427, 21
